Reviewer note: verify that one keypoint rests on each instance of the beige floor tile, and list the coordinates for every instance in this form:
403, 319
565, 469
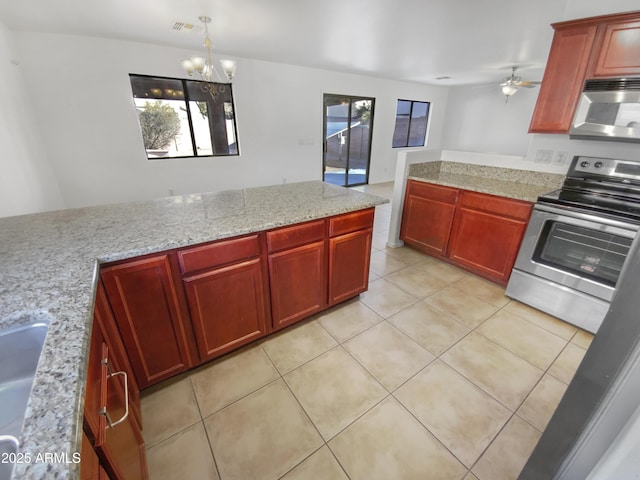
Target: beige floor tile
407, 255
348, 319
389, 443
225, 381
334, 390
263, 435
460, 305
539, 406
298, 345
322, 465
554, 325
444, 271
582, 338
460, 415
184, 455
416, 280
430, 327
565, 366
388, 354
386, 299
483, 289
168, 409
536, 345
500, 373
383, 264
506, 456
470, 476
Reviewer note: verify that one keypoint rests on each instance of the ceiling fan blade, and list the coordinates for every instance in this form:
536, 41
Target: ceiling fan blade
529, 84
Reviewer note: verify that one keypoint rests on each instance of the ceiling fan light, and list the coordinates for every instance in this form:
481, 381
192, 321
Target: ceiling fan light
509, 90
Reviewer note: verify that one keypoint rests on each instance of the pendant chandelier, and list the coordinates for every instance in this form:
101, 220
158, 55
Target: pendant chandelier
204, 68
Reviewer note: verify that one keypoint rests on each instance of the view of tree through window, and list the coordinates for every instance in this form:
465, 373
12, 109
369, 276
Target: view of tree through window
180, 118
411, 123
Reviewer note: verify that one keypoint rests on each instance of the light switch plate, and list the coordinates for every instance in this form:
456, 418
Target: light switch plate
560, 158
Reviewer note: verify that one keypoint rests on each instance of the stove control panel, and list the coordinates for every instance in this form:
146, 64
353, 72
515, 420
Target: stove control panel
608, 168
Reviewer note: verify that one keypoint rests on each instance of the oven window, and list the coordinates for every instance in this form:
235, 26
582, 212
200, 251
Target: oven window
589, 253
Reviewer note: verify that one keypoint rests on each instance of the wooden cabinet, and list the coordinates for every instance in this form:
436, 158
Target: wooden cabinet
487, 233
428, 216
480, 232
563, 79
349, 253
618, 52
149, 312
227, 293
605, 46
90, 468
171, 311
297, 272
111, 428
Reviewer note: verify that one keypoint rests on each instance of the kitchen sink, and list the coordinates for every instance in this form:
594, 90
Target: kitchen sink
20, 349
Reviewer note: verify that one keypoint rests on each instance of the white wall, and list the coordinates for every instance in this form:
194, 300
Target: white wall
90, 129
27, 183
480, 120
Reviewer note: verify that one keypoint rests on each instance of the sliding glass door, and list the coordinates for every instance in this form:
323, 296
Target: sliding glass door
348, 123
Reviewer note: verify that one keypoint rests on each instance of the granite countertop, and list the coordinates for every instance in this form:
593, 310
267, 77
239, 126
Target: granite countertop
49, 266
505, 182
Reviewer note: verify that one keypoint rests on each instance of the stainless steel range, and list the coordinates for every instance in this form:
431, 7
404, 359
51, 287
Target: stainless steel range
577, 241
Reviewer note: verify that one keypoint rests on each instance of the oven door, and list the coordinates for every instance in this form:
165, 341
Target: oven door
575, 249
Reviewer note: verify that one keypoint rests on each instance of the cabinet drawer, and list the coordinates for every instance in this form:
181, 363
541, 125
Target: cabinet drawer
291, 237
351, 222
218, 253
432, 191
506, 207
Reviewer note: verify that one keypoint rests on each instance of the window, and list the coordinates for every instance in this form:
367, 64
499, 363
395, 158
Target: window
411, 124
181, 118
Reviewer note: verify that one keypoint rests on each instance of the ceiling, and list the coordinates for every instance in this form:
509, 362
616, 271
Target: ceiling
471, 41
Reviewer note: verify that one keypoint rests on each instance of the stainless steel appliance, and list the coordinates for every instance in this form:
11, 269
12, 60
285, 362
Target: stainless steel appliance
577, 241
609, 109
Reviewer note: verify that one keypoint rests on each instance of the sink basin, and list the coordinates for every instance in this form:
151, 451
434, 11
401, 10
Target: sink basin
20, 349
8, 446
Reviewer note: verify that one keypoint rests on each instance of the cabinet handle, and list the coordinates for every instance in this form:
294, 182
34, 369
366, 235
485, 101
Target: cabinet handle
126, 402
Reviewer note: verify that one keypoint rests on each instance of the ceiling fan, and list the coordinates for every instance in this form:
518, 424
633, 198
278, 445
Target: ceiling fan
510, 85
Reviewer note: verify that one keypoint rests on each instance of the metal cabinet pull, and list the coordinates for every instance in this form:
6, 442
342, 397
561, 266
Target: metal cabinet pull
126, 402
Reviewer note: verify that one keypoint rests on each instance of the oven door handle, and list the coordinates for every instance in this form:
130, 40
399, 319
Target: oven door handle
587, 217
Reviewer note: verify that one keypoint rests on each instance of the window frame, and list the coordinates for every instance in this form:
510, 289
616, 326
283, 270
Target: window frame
191, 134
405, 144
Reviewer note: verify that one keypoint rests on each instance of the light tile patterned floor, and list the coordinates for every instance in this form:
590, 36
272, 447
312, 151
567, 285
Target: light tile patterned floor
431, 374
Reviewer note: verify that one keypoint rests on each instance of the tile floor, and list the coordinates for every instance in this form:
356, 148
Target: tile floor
431, 374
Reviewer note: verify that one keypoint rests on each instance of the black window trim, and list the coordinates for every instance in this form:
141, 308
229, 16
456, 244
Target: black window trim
406, 141
191, 132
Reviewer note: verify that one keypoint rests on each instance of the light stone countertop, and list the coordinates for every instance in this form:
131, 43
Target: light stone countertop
49, 266
505, 182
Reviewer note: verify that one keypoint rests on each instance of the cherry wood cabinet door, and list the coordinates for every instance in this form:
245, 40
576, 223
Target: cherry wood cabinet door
117, 439
298, 281
120, 443
487, 233
619, 50
103, 318
427, 217
349, 265
563, 79
89, 461
148, 311
229, 306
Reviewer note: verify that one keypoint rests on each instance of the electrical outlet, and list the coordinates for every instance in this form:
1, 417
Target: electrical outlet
543, 156
560, 158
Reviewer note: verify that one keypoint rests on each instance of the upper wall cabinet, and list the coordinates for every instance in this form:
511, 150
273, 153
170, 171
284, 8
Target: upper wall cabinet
606, 46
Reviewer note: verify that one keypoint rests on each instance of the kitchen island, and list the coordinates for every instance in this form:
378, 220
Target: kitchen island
49, 267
